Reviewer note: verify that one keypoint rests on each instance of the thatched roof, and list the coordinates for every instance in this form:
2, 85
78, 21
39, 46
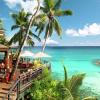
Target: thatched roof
3, 48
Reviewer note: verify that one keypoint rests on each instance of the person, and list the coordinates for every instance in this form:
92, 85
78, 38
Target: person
3, 65
7, 77
3, 71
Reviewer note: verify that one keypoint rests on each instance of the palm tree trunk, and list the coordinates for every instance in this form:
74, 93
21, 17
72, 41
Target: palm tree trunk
25, 37
44, 44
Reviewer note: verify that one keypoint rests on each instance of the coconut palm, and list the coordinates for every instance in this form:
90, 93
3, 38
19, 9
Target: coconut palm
24, 34
47, 20
21, 21
72, 86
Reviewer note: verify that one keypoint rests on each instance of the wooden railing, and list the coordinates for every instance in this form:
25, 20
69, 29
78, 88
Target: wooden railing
24, 81
14, 87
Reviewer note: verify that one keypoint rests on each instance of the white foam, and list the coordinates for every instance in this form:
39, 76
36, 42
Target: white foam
93, 83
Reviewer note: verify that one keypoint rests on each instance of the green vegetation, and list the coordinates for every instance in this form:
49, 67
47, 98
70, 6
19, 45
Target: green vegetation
47, 20
1, 25
45, 88
49, 89
3, 40
25, 26
37, 63
21, 20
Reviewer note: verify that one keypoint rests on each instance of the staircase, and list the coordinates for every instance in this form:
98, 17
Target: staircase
24, 81
4, 89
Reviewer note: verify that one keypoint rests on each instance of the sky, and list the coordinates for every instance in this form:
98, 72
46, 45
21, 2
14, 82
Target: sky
80, 29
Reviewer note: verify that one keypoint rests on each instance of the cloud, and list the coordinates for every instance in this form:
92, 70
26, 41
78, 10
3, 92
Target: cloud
93, 29
12, 3
87, 43
51, 42
27, 5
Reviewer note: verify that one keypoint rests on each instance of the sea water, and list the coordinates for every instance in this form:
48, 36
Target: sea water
76, 60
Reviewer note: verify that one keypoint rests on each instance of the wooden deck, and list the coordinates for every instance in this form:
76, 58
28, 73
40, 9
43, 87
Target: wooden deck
13, 90
4, 88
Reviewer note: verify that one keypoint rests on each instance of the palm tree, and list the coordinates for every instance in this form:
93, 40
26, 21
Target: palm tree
21, 21
24, 34
73, 84
47, 20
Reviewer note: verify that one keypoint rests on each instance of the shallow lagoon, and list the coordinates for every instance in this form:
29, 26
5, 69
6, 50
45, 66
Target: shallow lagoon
77, 60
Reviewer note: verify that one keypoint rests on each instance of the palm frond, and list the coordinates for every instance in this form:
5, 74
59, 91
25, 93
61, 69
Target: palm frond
57, 27
28, 15
41, 17
51, 4
40, 22
13, 39
57, 5
90, 98
64, 93
43, 9
14, 27
35, 36
18, 37
59, 13
41, 28
30, 42
22, 14
3, 40
74, 83
14, 16
65, 75
47, 31
51, 28
46, 4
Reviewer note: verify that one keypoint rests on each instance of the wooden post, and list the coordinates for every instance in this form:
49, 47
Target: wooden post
18, 89
8, 96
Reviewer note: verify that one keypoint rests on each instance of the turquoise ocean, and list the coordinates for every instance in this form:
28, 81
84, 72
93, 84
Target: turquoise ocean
77, 60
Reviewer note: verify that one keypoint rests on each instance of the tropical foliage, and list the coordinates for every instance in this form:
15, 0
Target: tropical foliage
3, 40
21, 20
22, 23
1, 24
49, 89
47, 20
